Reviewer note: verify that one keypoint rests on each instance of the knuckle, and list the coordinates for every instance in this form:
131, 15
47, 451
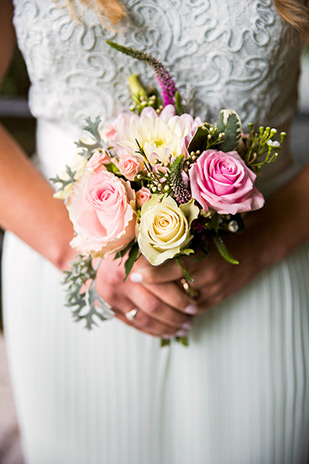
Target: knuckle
152, 305
146, 322
109, 293
149, 275
115, 278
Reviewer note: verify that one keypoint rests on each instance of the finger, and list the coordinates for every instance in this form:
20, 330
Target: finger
174, 296
210, 303
158, 311
140, 321
166, 272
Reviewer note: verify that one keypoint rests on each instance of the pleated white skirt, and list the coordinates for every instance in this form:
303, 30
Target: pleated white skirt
238, 395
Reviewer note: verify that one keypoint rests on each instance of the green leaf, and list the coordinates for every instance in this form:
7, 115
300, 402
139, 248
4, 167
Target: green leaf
122, 253
183, 341
178, 105
111, 167
132, 258
165, 342
199, 140
224, 251
229, 123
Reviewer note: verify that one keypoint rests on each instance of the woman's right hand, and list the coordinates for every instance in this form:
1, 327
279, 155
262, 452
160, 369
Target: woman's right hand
163, 310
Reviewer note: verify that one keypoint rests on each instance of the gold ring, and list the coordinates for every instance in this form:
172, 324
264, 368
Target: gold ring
192, 292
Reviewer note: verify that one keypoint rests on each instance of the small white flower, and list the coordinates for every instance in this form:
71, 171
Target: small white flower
233, 226
273, 143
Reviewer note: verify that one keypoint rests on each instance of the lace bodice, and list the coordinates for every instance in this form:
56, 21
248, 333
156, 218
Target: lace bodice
227, 53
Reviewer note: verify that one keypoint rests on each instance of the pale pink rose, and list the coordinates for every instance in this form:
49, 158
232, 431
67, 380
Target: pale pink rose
222, 181
98, 158
129, 166
100, 210
142, 196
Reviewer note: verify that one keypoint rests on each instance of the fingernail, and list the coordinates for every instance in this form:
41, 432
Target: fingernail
187, 326
181, 333
136, 277
191, 309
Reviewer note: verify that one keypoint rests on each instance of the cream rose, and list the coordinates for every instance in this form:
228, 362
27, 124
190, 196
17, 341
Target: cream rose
165, 228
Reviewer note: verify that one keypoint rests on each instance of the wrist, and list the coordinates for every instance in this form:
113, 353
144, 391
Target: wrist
63, 256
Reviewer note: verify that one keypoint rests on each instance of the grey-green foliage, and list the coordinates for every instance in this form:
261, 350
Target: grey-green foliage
229, 123
62, 183
82, 297
93, 128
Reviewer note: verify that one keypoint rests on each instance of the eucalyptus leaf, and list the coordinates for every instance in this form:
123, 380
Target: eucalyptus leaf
86, 305
88, 148
62, 183
93, 127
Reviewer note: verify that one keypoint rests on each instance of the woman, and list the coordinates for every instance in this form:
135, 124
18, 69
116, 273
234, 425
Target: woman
238, 394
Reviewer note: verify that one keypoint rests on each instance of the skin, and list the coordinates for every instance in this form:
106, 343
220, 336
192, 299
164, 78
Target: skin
28, 209
164, 309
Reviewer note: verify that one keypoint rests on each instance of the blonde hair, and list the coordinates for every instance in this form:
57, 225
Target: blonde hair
113, 10
291, 11
295, 14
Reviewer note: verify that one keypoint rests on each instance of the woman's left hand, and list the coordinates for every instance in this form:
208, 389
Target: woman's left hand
269, 235
214, 278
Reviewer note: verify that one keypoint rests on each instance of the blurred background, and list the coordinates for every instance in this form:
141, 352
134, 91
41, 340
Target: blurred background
15, 115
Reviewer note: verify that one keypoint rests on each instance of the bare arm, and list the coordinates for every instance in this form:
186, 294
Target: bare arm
27, 206
28, 209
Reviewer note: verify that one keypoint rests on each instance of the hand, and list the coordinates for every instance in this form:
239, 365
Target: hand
214, 278
164, 310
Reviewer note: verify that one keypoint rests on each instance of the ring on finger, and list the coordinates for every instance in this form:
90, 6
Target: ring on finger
130, 315
192, 292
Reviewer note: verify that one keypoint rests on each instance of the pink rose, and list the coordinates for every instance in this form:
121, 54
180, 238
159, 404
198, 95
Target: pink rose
98, 158
142, 196
223, 182
129, 166
100, 210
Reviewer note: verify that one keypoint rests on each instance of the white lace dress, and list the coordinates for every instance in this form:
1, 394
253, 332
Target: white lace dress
239, 394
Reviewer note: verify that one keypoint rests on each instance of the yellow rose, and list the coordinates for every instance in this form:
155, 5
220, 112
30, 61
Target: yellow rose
165, 228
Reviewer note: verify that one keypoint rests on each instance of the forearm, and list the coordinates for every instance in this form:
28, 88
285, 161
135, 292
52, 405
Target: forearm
27, 206
283, 223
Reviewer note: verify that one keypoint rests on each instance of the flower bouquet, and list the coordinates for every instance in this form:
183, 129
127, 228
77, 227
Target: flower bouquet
160, 183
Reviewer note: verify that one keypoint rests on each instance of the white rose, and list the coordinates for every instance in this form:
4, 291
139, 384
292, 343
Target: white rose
165, 228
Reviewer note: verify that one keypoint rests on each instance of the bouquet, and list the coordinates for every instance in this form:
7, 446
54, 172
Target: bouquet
160, 183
